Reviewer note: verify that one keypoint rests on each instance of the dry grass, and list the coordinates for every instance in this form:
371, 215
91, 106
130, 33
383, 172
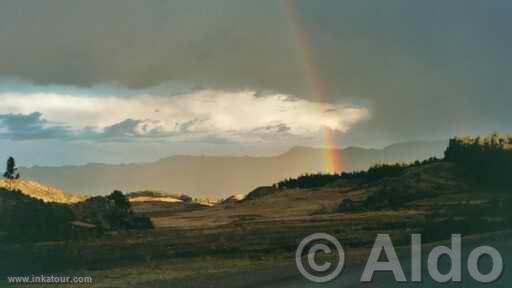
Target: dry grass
42, 192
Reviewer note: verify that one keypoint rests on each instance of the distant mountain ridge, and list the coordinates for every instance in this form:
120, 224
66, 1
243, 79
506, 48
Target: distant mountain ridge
218, 176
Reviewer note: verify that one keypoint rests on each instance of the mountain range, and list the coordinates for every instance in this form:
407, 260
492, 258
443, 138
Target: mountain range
219, 176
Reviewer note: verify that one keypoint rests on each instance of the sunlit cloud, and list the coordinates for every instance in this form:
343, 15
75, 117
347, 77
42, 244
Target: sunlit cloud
108, 114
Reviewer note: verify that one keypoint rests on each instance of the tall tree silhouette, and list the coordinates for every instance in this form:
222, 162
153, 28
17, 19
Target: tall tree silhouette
11, 172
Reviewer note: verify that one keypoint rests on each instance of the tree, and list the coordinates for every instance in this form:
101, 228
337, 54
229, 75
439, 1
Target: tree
118, 216
11, 172
120, 200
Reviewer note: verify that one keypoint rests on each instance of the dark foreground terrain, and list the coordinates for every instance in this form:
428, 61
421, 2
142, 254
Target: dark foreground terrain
287, 276
251, 242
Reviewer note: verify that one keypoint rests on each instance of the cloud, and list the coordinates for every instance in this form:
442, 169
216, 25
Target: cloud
108, 115
198, 42
131, 128
29, 127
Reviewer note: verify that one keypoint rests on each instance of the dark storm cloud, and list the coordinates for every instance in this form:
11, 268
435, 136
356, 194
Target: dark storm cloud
226, 43
426, 69
29, 127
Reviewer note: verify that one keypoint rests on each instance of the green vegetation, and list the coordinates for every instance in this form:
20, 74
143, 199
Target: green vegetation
112, 212
482, 166
376, 172
121, 202
483, 160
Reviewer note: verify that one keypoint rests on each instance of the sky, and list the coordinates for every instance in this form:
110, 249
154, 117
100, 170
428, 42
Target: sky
127, 81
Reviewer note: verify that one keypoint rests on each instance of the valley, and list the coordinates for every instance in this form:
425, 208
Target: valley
192, 242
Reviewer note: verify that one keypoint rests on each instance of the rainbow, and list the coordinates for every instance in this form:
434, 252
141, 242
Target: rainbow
317, 87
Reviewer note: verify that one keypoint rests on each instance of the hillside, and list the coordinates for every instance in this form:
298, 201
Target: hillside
218, 177
42, 192
438, 194
23, 218
430, 197
27, 219
266, 204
